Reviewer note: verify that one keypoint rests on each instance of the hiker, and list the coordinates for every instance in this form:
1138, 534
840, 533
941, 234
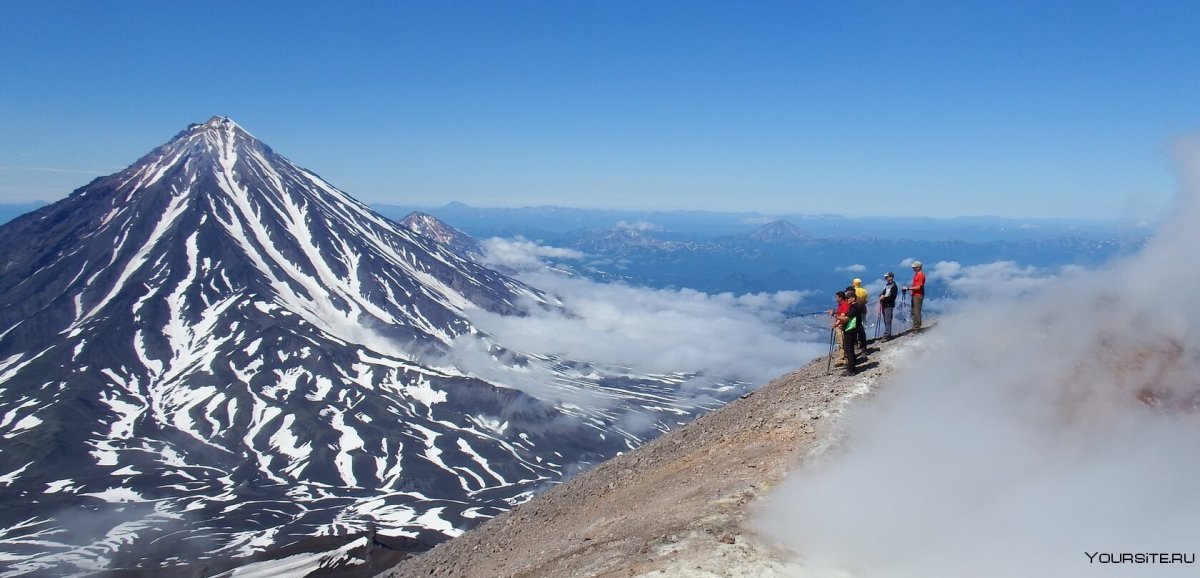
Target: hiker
862, 297
839, 309
857, 330
843, 324
860, 292
917, 290
887, 304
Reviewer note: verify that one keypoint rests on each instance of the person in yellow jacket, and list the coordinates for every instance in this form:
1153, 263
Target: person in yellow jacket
861, 295
860, 292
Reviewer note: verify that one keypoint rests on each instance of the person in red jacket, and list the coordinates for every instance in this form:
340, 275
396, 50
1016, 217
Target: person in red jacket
844, 325
917, 289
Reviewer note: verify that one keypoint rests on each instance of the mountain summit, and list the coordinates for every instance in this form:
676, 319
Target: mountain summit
780, 232
215, 352
434, 229
214, 188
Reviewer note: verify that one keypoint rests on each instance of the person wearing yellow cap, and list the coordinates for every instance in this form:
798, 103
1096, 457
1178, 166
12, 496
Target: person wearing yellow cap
861, 295
917, 290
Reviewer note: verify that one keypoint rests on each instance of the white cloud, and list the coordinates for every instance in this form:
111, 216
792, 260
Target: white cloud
644, 331
1023, 433
642, 226
521, 253
778, 301
855, 268
659, 331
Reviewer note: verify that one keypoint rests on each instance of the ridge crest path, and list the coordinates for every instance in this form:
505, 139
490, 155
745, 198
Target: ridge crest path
677, 505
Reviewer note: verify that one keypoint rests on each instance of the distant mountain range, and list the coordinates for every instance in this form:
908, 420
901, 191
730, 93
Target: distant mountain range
552, 222
782, 257
751, 253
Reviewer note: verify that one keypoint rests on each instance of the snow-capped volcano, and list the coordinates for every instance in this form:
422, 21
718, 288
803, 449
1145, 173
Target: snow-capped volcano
428, 226
214, 352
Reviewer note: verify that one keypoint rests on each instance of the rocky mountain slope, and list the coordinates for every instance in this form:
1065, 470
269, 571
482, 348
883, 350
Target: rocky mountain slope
678, 505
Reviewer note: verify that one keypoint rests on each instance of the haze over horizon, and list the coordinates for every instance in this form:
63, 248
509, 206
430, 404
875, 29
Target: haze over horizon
939, 109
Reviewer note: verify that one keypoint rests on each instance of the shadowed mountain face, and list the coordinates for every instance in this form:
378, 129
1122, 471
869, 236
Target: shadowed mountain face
213, 353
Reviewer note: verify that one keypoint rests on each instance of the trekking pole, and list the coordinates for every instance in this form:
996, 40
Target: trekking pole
829, 358
788, 315
879, 320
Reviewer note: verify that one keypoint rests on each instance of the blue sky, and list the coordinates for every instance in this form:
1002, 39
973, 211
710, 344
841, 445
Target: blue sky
908, 108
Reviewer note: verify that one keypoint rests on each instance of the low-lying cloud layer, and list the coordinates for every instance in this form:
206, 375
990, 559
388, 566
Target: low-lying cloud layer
1049, 426
645, 331
521, 253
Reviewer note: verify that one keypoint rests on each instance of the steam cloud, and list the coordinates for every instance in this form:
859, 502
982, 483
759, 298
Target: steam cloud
1054, 418
998, 280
